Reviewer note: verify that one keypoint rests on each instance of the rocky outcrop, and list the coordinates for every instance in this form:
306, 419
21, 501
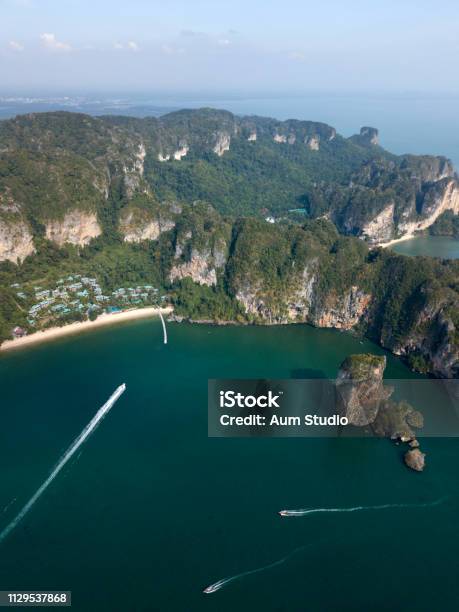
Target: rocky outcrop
443, 195
77, 227
369, 134
249, 295
431, 343
198, 268
222, 144
386, 200
181, 151
178, 154
313, 142
362, 397
280, 138
342, 312
415, 459
299, 304
380, 229
360, 389
396, 420
16, 240
137, 227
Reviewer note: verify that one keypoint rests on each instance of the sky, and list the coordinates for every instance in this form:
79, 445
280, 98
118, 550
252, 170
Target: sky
251, 46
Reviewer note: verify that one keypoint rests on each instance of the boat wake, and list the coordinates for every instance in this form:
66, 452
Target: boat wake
307, 511
216, 586
72, 449
9, 504
221, 583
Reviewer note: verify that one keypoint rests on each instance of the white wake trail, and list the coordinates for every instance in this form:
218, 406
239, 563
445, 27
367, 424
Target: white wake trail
216, 586
72, 449
307, 511
164, 328
9, 504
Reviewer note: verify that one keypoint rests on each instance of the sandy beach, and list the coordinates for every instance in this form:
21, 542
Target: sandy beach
384, 245
73, 328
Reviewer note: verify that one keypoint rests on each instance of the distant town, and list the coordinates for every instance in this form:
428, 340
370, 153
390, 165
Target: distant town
76, 298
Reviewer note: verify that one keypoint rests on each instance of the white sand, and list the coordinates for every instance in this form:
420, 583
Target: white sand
72, 328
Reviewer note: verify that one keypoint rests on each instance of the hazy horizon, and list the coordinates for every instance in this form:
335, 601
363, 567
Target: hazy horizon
202, 46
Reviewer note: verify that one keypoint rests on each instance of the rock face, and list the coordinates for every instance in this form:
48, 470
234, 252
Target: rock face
432, 337
360, 389
415, 459
222, 144
197, 268
396, 420
178, 154
77, 227
362, 397
16, 240
381, 227
345, 312
313, 142
181, 151
137, 230
387, 200
443, 195
370, 134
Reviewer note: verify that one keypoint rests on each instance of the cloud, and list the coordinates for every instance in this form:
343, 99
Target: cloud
223, 42
15, 46
130, 46
50, 42
297, 56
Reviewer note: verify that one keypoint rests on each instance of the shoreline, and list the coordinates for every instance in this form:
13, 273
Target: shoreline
384, 245
78, 326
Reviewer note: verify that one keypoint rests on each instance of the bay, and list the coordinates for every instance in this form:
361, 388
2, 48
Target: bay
444, 247
152, 510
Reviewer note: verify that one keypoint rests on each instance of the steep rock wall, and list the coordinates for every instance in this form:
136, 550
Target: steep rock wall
77, 227
16, 240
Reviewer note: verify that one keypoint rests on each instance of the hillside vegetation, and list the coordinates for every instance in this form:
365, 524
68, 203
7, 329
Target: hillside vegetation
178, 205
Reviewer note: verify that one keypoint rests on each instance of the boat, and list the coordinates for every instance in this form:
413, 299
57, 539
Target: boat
291, 512
213, 587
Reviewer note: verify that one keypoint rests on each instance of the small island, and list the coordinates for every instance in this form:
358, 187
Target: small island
364, 400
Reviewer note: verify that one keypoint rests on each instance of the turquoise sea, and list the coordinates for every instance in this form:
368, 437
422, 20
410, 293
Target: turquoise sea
152, 510
429, 246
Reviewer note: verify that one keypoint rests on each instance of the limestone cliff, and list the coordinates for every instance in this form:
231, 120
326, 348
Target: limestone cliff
388, 200
16, 240
137, 224
342, 312
222, 144
199, 268
431, 343
77, 227
443, 195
